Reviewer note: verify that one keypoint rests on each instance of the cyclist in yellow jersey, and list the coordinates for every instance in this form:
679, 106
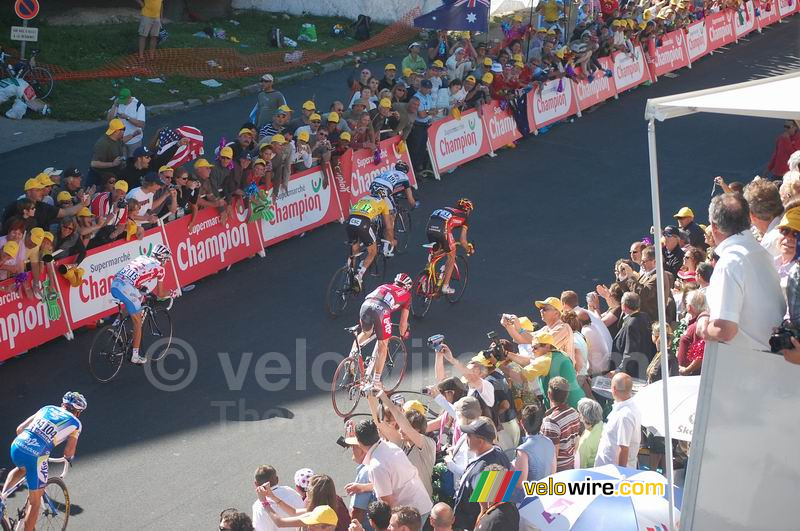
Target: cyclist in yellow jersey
361, 226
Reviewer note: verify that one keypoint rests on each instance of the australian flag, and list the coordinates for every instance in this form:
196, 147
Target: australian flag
457, 15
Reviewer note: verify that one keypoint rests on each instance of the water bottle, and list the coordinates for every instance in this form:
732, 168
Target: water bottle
377, 156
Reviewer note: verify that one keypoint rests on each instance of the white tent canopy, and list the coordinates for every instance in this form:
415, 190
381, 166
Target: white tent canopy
774, 97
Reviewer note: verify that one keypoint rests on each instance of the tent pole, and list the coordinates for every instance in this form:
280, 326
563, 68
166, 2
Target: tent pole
662, 313
530, 32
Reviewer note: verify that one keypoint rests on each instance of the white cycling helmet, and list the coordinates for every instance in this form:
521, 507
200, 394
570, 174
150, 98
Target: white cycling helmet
74, 400
404, 281
160, 252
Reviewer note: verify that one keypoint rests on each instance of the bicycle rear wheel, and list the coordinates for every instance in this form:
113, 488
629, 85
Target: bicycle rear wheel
40, 79
345, 387
395, 367
458, 280
156, 334
421, 295
107, 352
338, 293
55, 506
402, 230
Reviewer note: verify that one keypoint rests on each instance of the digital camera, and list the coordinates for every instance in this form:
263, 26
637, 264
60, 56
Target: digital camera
781, 338
435, 342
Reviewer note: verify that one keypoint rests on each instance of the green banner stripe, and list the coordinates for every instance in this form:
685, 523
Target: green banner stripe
476, 492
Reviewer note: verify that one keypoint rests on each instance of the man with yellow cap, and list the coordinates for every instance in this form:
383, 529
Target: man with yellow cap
44, 213
281, 164
208, 196
111, 209
108, 152
133, 114
385, 121
691, 231
309, 108
8, 259
550, 311
321, 518
389, 79
301, 154
33, 240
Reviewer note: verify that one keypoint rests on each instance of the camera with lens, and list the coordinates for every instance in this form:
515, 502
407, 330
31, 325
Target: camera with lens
495, 347
121, 204
781, 337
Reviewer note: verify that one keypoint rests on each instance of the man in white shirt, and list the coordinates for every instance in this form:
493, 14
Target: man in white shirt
132, 113
475, 374
394, 479
622, 434
261, 519
144, 194
744, 296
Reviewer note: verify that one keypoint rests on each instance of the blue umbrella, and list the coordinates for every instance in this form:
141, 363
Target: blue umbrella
589, 511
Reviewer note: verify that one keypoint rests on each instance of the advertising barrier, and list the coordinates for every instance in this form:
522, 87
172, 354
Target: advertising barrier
696, 40
25, 323
630, 70
499, 125
767, 13
600, 89
744, 20
671, 55
786, 7
360, 166
555, 101
720, 29
453, 142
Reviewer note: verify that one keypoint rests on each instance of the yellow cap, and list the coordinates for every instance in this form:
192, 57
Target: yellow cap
65, 196
333, 117
438, 64
37, 235
487, 78
115, 125
315, 116
414, 405
561, 51
49, 236
551, 31
385, 103
647, 14
518, 57
407, 72
164, 168
471, 78
279, 138
322, 514
791, 219
245, 131
517, 18
642, 25
519, 64
11, 248
227, 152
390, 66
481, 359
263, 145
684, 212
121, 185
45, 180
309, 106
487, 61
259, 161
555, 302
284, 108
541, 30
84, 213
303, 136
345, 136
525, 324
202, 163
543, 337
33, 184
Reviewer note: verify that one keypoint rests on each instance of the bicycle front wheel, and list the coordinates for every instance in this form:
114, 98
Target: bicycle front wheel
395, 367
346, 386
55, 506
458, 280
338, 293
108, 352
421, 295
41, 80
156, 334
402, 230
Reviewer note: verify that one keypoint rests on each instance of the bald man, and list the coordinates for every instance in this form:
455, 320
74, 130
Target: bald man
442, 517
619, 443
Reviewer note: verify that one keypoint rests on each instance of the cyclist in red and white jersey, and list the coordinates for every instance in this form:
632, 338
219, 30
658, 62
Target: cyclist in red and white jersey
376, 317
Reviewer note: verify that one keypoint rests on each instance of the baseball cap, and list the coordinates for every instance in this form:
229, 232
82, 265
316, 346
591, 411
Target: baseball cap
471, 78
11, 248
481, 427
302, 478
555, 302
487, 78
389, 66
279, 139
115, 125
346, 136
285, 108
497, 68
414, 44
165, 168
52, 171
482, 359
141, 152
322, 514
45, 180
517, 18
333, 117
426, 83
361, 101
791, 219
684, 212
120, 185
487, 61
267, 77
245, 131
671, 230
259, 161
414, 405
33, 184
303, 135
37, 233
72, 172
66, 196
124, 94
543, 337
518, 57
226, 152
437, 64
519, 64
202, 163
309, 106
468, 405
315, 117
49, 236
151, 177
407, 72
386, 103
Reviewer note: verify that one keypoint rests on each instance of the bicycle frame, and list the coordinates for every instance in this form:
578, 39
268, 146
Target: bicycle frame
434, 257
45, 498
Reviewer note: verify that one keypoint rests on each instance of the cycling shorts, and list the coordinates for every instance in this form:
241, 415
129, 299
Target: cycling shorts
359, 229
35, 466
438, 233
376, 317
127, 294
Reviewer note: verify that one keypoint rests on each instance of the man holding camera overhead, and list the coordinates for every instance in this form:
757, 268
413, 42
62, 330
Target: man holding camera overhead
504, 411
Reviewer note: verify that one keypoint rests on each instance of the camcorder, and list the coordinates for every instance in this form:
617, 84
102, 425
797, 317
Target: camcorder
495, 347
781, 337
435, 342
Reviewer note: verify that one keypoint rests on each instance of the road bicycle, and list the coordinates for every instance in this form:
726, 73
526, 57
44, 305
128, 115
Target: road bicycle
55, 508
351, 375
343, 286
37, 77
428, 284
402, 223
113, 344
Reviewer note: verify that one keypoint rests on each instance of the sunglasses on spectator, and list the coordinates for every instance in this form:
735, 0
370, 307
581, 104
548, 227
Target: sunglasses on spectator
786, 231
365, 72
547, 309
181, 177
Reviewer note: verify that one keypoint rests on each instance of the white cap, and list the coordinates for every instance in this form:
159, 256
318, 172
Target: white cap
267, 77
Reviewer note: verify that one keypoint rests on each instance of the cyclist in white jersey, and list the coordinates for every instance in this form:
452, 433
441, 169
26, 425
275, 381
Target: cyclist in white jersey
36, 438
141, 276
396, 181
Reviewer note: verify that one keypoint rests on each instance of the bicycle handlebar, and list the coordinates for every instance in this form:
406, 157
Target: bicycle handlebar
58, 461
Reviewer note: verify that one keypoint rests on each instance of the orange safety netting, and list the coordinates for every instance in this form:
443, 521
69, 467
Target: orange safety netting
229, 63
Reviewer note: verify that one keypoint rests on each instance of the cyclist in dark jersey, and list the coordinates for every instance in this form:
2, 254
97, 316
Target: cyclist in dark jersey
440, 231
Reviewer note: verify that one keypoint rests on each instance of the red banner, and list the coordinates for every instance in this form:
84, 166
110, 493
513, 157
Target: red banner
720, 29
24, 322
767, 13
671, 55
696, 40
306, 205
630, 70
786, 7
452, 142
499, 125
600, 89
210, 245
361, 167
744, 20
552, 103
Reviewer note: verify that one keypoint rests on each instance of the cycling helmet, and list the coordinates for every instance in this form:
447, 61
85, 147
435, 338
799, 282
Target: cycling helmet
401, 166
376, 190
404, 281
465, 205
160, 253
74, 400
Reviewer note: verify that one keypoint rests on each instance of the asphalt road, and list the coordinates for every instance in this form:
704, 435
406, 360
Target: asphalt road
553, 214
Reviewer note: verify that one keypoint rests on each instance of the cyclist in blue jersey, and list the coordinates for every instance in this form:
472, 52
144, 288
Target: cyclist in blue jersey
396, 181
36, 438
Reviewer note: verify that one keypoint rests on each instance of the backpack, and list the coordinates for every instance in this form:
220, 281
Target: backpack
361, 32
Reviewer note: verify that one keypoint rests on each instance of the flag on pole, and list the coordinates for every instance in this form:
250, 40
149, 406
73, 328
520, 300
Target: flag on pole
186, 152
461, 15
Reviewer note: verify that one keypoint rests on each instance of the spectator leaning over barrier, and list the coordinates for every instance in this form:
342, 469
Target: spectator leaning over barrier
44, 215
535, 456
561, 423
384, 120
287, 495
148, 204
208, 197
786, 144
133, 114
308, 108
276, 126
622, 434
766, 209
744, 297
389, 79
281, 165
8, 260
136, 166
268, 102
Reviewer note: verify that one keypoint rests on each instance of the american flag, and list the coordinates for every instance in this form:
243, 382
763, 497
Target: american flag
167, 138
